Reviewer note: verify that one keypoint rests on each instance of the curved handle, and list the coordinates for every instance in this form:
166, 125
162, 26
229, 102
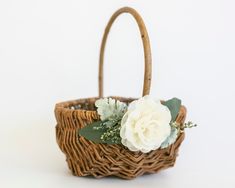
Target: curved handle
146, 45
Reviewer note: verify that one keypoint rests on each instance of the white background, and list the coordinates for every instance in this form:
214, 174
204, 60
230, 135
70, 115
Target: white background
49, 53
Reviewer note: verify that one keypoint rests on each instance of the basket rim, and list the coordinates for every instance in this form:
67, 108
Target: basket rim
64, 106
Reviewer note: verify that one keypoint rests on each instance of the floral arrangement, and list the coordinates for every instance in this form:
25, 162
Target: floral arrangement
144, 125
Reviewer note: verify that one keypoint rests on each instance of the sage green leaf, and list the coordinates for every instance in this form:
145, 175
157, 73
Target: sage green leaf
174, 105
109, 108
171, 138
93, 132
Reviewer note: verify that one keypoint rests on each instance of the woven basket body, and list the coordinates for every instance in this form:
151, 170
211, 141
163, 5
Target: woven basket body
99, 160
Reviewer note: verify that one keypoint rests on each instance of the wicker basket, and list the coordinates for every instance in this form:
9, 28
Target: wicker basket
99, 160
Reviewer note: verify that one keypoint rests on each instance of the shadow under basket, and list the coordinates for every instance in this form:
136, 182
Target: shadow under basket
86, 158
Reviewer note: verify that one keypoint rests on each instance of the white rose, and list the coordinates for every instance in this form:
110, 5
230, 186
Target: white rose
145, 125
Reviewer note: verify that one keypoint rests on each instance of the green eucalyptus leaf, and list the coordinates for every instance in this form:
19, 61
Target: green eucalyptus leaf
96, 130
90, 132
174, 105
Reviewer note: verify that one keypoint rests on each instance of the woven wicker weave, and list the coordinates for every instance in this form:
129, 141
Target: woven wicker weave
99, 160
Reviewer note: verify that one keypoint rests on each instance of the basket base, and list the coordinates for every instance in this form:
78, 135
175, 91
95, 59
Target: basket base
166, 158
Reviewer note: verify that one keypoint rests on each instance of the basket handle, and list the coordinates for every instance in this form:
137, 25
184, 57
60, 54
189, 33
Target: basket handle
146, 45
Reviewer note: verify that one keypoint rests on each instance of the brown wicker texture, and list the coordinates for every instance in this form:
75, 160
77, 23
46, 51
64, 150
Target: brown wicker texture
99, 160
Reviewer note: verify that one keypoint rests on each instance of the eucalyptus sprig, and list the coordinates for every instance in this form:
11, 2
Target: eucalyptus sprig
112, 134
189, 124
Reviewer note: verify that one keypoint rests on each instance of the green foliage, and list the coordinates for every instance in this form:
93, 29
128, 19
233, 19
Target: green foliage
174, 105
171, 138
110, 109
189, 124
175, 130
107, 132
93, 132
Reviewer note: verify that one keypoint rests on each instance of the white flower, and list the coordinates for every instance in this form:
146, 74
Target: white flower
109, 108
145, 125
